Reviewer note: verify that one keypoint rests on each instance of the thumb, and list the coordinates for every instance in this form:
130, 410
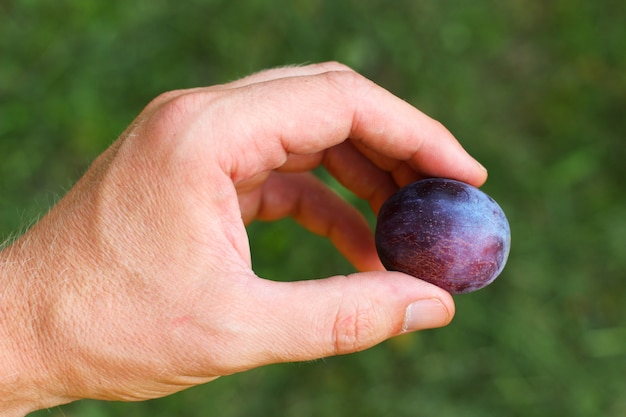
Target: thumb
345, 314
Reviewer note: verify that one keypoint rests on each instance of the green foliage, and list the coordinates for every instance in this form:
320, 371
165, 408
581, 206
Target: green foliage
535, 90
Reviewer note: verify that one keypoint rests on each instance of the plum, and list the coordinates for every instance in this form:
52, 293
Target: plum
446, 232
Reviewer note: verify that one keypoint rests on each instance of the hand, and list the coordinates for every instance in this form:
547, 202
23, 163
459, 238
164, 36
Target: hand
138, 283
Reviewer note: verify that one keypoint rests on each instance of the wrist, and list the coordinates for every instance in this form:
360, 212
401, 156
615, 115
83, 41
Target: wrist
26, 382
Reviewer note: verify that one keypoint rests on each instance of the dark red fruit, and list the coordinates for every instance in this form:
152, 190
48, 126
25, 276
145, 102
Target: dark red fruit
445, 232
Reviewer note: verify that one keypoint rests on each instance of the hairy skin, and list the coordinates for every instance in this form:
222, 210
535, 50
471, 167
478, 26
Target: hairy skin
138, 283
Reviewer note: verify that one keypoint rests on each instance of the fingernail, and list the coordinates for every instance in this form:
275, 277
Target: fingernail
425, 314
481, 166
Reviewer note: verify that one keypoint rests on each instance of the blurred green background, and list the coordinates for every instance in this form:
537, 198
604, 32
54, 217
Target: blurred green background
535, 90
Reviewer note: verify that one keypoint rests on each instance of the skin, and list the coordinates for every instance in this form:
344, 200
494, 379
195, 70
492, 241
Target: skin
138, 283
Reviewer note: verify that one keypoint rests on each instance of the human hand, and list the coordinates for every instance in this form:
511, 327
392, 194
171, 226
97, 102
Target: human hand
138, 283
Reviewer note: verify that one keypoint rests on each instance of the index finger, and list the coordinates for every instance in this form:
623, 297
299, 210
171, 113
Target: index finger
305, 115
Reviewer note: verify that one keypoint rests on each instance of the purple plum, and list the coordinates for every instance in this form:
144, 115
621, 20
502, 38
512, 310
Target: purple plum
446, 232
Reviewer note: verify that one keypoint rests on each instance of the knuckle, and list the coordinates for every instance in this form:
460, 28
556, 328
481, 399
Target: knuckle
345, 81
165, 97
178, 105
349, 87
353, 330
168, 116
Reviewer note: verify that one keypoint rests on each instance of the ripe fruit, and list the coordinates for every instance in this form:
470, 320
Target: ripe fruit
445, 232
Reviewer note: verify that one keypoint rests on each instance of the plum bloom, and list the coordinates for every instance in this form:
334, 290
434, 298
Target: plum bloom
444, 232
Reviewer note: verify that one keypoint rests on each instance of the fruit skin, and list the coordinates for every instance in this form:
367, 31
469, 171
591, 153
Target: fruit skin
446, 232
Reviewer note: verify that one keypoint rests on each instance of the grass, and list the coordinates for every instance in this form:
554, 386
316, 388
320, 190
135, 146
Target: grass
536, 91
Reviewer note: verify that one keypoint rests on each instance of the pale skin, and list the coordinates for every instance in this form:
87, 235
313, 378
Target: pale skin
139, 282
